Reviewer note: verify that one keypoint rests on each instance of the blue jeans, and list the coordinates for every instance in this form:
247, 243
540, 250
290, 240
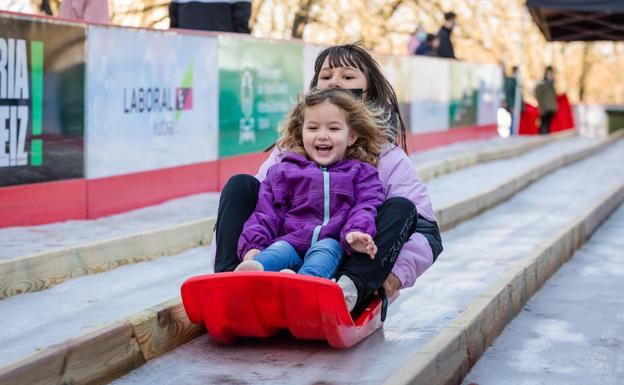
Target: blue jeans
321, 260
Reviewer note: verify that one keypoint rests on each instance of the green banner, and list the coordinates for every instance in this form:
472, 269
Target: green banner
258, 83
463, 94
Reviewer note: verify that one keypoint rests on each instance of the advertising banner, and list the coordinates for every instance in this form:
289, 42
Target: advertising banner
310, 52
463, 93
398, 71
152, 100
258, 83
429, 94
490, 93
41, 100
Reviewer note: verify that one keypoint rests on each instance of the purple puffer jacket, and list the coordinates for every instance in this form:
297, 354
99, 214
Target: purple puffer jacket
291, 204
399, 179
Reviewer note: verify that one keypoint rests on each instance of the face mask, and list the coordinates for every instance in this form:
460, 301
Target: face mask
356, 92
421, 36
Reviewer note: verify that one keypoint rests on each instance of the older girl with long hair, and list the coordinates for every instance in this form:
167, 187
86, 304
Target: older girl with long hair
407, 240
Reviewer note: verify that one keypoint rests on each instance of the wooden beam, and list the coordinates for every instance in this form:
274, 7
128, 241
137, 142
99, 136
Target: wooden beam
94, 358
41, 271
162, 328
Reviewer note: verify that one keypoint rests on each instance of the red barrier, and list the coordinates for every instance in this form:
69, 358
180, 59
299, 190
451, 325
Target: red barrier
40, 203
563, 119
528, 120
116, 194
427, 141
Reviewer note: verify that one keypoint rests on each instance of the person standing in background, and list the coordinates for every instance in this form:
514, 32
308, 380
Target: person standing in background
446, 45
211, 15
546, 99
429, 47
509, 86
416, 38
88, 10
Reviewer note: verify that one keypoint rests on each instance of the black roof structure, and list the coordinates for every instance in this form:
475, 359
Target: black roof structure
579, 20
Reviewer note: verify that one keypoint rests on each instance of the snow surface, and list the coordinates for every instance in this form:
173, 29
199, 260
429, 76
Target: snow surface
21, 241
444, 191
33, 321
572, 331
469, 147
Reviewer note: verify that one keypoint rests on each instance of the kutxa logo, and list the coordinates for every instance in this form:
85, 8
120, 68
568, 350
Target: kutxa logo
18, 101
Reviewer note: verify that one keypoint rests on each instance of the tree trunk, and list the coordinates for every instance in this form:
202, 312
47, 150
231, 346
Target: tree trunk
584, 71
301, 19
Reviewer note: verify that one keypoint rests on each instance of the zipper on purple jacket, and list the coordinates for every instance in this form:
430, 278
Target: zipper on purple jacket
317, 229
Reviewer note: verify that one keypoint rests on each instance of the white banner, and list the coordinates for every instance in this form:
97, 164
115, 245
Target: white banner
151, 100
429, 95
310, 52
490, 93
398, 71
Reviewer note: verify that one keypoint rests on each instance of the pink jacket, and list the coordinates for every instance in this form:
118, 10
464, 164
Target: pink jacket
87, 10
399, 178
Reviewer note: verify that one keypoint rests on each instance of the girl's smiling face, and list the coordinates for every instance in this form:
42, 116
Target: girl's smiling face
325, 133
342, 77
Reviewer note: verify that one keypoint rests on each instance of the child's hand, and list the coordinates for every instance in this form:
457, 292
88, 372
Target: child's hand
362, 243
251, 254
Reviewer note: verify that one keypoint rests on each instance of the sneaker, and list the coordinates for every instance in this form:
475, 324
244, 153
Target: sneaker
287, 271
349, 290
249, 265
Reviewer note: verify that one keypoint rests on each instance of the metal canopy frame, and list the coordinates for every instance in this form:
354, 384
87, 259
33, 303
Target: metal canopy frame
579, 21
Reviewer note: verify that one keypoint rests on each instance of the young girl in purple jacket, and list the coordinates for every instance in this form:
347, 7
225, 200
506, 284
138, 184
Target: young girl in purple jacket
408, 238
321, 199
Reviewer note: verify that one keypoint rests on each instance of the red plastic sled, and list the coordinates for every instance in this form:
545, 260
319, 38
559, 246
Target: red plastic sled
252, 304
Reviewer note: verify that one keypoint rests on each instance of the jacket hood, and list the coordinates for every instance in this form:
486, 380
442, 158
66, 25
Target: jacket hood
295, 158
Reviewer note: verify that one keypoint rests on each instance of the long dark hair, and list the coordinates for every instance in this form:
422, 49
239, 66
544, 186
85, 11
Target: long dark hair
379, 91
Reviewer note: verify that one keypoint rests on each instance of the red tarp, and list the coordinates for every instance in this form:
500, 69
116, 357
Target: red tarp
563, 119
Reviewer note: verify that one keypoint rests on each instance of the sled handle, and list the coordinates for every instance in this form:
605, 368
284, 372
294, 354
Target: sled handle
384, 302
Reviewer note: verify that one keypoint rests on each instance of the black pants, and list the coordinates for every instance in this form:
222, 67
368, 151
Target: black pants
211, 16
545, 119
396, 220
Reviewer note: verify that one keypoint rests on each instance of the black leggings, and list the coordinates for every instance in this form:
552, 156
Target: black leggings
396, 220
546, 119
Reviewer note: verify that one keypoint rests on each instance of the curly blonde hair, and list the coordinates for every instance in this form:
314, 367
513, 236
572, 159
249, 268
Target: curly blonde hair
367, 121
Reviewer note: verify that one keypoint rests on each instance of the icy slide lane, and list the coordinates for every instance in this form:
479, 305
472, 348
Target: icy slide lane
477, 253
572, 331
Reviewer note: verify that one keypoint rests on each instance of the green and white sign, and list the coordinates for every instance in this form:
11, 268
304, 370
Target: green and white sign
258, 83
463, 93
